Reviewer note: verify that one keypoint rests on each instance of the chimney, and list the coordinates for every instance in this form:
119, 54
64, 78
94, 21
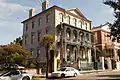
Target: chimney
44, 5
31, 12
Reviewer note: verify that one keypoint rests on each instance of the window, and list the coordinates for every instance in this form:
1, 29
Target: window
81, 36
39, 36
80, 24
68, 34
47, 29
68, 19
74, 36
26, 27
61, 17
39, 22
68, 54
38, 52
86, 26
26, 39
33, 24
32, 38
32, 51
87, 37
75, 22
47, 18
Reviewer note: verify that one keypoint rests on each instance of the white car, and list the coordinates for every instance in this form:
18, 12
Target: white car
15, 75
65, 71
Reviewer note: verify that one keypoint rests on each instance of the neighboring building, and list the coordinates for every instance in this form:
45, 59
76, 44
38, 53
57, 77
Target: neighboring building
71, 30
109, 49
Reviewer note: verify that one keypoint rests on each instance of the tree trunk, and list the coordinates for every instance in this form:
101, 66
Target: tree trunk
47, 57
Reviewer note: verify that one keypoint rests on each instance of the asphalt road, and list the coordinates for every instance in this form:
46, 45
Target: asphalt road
113, 75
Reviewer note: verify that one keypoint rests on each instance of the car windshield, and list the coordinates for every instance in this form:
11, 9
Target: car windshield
62, 69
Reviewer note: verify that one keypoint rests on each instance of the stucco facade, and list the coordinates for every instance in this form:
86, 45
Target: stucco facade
71, 31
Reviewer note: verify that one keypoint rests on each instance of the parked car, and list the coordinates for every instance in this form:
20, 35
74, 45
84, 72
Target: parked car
15, 75
12, 66
16, 66
65, 71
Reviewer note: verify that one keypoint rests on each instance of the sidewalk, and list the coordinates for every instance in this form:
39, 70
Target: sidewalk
91, 71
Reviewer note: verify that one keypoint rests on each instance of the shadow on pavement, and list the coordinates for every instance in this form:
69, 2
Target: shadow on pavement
58, 77
110, 76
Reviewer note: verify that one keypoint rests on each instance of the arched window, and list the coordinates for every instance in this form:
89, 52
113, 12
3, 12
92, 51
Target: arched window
86, 26
58, 33
68, 54
74, 36
81, 36
68, 34
75, 22
61, 17
80, 24
68, 19
87, 37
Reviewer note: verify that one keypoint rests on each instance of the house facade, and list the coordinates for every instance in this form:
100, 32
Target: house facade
70, 29
109, 49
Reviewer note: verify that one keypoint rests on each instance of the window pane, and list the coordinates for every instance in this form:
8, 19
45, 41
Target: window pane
33, 24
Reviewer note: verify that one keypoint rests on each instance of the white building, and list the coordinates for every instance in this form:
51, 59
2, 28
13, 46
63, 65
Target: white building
70, 28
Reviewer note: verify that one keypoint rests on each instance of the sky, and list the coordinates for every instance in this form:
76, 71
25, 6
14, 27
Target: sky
13, 12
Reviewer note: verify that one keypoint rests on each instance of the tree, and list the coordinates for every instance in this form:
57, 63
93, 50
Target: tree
47, 41
115, 27
13, 53
17, 41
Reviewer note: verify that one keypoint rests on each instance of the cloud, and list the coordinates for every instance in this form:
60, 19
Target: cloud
11, 15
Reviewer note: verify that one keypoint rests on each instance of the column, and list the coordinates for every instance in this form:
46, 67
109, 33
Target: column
89, 56
71, 39
65, 53
55, 63
109, 63
103, 63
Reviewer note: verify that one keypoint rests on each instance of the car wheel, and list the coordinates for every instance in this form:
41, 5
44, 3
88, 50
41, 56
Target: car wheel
62, 75
26, 78
75, 74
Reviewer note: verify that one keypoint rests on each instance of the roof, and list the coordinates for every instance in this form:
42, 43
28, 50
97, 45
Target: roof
107, 23
77, 28
78, 11
62, 9
105, 27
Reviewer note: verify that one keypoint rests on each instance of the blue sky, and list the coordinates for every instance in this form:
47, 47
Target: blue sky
13, 12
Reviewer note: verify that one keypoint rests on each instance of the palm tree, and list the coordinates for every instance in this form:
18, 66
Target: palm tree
47, 41
17, 41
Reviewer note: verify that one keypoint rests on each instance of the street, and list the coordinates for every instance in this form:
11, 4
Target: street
114, 75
